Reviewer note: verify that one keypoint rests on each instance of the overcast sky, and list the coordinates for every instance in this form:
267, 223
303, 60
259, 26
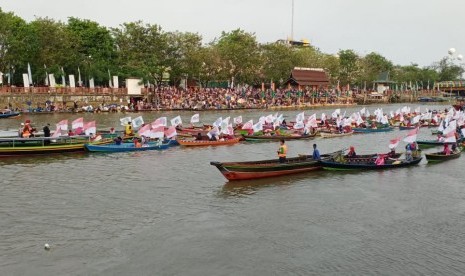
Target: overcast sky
404, 31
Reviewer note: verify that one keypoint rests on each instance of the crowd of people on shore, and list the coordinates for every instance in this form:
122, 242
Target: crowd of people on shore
227, 98
173, 98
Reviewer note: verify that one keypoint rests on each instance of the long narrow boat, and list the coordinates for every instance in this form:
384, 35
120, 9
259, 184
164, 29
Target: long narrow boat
277, 137
267, 168
125, 147
434, 143
333, 135
407, 127
7, 113
371, 130
361, 164
38, 145
440, 156
199, 143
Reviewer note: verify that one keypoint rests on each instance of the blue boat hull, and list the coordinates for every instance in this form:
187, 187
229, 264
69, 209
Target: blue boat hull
8, 115
124, 147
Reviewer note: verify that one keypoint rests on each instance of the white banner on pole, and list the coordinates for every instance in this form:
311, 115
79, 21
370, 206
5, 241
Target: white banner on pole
91, 83
115, 82
51, 77
26, 80
72, 81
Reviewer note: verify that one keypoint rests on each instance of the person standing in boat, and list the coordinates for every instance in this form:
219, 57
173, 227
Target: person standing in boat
20, 130
316, 153
46, 130
282, 151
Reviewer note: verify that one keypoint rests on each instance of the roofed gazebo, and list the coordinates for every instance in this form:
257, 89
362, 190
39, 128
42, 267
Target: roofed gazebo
312, 77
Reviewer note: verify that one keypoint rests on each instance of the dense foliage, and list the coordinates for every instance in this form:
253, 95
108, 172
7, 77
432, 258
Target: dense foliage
137, 49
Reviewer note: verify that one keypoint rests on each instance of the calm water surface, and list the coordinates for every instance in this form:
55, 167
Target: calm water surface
171, 213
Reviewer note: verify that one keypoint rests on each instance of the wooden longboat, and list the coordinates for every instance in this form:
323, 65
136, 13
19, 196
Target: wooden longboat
277, 137
38, 145
440, 156
369, 164
267, 168
333, 135
199, 143
434, 143
372, 130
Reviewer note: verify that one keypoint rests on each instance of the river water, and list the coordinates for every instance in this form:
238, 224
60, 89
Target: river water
171, 213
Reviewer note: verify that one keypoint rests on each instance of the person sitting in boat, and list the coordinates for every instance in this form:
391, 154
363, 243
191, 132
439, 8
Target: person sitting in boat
446, 150
373, 125
46, 130
408, 153
70, 133
118, 140
250, 132
282, 151
213, 137
137, 143
112, 130
306, 132
351, 153
392, 153
128, 129
284, 124
20, 130
454, 147
27, 130
316, 153
143, 140
199, 137
340, 129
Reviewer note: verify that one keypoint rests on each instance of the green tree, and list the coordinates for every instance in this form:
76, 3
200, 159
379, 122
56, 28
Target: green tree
372, 65
14, 45
349, 66
447, 70
93, 49
142, 50
240, 56
277, 61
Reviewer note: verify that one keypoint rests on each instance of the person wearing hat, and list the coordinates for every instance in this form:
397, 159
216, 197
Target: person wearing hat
46, 130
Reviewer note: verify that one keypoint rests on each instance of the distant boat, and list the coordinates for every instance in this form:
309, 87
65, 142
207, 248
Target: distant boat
370, 130
440, 156
7, 113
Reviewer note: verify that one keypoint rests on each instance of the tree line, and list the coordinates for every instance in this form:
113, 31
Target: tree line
138, 49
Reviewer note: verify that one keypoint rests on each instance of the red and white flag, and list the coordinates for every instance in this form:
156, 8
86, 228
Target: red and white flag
90, 128
79, 122
171, 132
158, 132
63, 125
162, 121
412, 135
145, 130
450, 137
248, 125
394, 143
57, 133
